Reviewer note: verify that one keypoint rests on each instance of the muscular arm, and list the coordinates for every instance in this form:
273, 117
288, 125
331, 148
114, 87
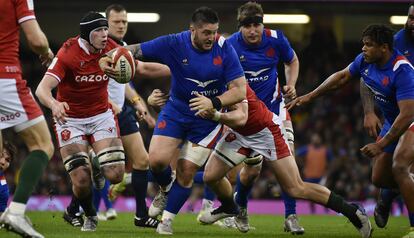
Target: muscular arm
333, 82
136, 51
44, 91
367, 98
237, 117
153, 70
401, 123
35, 37
236, 92
292, 71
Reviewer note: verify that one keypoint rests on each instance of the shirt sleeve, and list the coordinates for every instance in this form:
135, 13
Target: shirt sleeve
58, 67
283, 47
404, 82
355, 66
24, 10
231, 64
156, 49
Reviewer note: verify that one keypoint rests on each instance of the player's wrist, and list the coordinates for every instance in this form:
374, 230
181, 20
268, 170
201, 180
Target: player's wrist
135, 100
216, 103
216, 116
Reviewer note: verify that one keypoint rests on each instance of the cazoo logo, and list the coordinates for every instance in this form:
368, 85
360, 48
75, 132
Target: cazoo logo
91, 78
10, 117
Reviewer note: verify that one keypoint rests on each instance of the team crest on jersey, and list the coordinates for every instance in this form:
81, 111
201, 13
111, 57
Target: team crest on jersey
217, 61
270, 52
162, 124
242, 58
185, 61
230, 137
65, 134
385, 81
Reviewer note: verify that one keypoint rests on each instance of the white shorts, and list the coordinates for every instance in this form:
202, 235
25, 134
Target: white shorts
194, 153
87, 130
271, 142
18, 108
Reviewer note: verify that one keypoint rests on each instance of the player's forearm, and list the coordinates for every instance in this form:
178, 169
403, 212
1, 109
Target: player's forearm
45, 96
292, 71
367, 98
233, 119
153, 70
35, 37
333, 82
400, 125
235, 94
136, 51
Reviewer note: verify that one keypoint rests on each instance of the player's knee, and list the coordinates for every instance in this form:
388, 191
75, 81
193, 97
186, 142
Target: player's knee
296, 192
140, 163
111, 156
114, 173
209, 179
377, 180
185, 176
157, 162
48, 148
399, 170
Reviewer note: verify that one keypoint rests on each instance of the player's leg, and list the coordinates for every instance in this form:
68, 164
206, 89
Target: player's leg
110, 211
402, 162
71, 214
191, 158
111, 158
287, 173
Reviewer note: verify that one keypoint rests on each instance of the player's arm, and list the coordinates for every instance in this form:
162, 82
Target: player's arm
152, 70
139, 104
291, 73
333, 82
44, 93
136, 51
234, 118
371, 121
37, 41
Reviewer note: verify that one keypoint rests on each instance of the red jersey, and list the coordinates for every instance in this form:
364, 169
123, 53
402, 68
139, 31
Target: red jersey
259, 117
12, 13
82, 84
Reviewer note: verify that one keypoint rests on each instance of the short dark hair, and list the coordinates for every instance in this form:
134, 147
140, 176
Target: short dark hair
204, 15
115, 7
380, 34
11, 149
249, 9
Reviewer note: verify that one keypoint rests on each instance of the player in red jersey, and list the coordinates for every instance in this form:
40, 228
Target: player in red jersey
19, 110
82, 112
256, 130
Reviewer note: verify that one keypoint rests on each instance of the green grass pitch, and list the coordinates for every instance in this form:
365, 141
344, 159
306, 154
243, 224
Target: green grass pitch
51, 224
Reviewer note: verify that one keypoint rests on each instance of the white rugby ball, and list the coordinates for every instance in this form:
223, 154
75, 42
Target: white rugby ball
124, 63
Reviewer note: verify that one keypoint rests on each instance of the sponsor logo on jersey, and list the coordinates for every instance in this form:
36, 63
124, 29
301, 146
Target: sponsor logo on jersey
91, 78
65, 134
10, 116
255, 75
230, 137
242, 58
185, 61
217, 61
207, 93
200, 83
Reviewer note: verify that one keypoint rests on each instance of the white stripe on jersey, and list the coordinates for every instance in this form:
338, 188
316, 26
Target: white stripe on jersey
26, 18
400, 62
221, 41
54, 76
273, 33
210, 137
276, 92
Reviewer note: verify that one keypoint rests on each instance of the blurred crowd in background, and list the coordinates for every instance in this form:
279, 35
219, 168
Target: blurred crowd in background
337, 119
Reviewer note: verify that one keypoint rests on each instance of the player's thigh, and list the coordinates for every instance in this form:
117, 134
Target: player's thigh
287, 172
215, 169
76, 162
37, 137
162, 150
233, 173
381, 168
404, 153
135, 150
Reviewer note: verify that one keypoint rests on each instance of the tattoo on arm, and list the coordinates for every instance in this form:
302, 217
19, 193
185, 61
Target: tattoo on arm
367, 97
136, 51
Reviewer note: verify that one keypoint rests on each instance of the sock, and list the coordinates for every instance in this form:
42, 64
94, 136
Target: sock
290, 204
128, 178
198, 178
338, 204
140, 185
177, 197
209, 194
30, 173
87, 205
387, 196
96, 198
74, 204
17, 208
164, 177
151, 177
104, 195
243, 192
411, 218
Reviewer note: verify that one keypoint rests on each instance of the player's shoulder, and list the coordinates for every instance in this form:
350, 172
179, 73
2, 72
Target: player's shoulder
69, 48
401, 63
234, 38
399, 35
273, 35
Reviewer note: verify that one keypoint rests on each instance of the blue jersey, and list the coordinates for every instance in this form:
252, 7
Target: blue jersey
391, 83
205, 72
260, 64
405, 45
4, 192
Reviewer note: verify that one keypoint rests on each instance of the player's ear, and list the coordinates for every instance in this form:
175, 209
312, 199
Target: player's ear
192, 29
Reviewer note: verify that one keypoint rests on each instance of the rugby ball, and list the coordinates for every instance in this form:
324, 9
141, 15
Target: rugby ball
124, 63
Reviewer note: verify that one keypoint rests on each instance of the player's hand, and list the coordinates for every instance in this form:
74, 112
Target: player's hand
371, 124
140, 110
371, 150
157, 98
299, 101
106, 64
207, 114
200, 103
289, 92
47, 58
59, 112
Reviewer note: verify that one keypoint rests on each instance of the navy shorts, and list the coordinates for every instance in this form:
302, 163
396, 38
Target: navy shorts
127, 121
4, 197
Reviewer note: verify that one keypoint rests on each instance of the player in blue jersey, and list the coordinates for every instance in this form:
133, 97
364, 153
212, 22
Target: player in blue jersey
404, 42
7, 155
201, 64
259, 51
390, 77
